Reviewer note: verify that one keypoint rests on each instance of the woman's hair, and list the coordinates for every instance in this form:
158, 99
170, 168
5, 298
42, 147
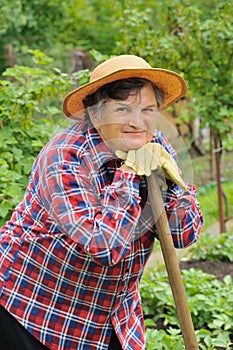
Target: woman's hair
120, 90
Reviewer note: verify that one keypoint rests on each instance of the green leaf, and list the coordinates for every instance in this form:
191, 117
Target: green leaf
5, 208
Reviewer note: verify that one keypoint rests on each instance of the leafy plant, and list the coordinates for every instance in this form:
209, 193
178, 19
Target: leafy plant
32, 92
216, 248
18, 150
161, 340
29, 115
210, 302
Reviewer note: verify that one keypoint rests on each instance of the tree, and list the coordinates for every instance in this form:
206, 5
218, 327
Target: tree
31, 24
57, 26
197, 42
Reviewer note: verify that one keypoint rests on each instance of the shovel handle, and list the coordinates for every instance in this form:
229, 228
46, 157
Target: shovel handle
172, 265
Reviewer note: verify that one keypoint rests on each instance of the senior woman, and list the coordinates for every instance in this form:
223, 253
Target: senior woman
75, 248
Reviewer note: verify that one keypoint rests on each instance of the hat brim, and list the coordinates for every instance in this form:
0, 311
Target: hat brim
172, 84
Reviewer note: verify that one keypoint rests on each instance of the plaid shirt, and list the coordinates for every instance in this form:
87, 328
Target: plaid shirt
74, 250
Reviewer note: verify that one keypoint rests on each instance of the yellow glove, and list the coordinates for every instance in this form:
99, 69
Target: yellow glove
150, 157
142, 160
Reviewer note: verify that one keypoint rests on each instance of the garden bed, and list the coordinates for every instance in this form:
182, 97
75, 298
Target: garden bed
207, 272
216, 268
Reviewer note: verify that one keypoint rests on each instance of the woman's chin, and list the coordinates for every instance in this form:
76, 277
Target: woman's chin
127, 144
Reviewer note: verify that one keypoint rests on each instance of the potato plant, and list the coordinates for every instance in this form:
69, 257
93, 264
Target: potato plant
210, 302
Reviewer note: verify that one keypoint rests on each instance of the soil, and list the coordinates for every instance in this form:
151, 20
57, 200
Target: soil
218, 269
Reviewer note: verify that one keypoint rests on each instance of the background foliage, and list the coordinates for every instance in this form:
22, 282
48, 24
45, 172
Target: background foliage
191, 37
29, 117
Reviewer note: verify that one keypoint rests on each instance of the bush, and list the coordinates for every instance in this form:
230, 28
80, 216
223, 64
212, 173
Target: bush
30, 114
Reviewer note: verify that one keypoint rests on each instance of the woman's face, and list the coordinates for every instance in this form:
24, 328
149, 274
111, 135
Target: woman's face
130, 123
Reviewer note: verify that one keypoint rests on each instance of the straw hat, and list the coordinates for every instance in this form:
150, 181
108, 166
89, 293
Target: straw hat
123, 67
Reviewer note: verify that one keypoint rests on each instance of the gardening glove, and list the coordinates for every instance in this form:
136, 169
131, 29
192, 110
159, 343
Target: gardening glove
150, 157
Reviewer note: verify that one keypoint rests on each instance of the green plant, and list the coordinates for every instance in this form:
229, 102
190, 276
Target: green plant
161, 340
18, 149
30, 115
32, 92
172, 339
216, 248
210, 302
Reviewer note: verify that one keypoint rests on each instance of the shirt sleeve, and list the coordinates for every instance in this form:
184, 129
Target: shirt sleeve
102, 223
184, 215
182, 208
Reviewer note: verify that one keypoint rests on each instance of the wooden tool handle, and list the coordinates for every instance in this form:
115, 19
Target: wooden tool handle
172, 265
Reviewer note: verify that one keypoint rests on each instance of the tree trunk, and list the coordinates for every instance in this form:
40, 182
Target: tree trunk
211, 157
10, 55
217, 150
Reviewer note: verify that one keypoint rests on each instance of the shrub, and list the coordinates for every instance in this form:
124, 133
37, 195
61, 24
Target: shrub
30, 113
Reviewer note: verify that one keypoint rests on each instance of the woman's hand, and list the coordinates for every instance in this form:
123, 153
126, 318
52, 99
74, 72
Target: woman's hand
150, 157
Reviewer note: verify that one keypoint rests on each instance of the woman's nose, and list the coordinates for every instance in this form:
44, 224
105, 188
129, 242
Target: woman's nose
136, 119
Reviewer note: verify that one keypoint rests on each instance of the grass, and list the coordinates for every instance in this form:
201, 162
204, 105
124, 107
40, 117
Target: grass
201, 169
208, 199
207, 190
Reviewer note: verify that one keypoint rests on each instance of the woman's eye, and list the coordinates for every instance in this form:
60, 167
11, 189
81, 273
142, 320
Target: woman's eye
121, 109
151, 112
148, 109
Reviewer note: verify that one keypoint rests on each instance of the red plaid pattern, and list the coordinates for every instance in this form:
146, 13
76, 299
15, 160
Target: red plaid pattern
74, 250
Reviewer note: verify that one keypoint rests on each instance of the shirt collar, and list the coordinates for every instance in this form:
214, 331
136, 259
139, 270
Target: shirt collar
100, 153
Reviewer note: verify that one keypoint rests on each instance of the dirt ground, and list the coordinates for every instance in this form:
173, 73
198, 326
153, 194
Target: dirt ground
219, 269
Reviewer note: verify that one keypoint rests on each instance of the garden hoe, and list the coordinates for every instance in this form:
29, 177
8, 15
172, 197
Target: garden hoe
172, 265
